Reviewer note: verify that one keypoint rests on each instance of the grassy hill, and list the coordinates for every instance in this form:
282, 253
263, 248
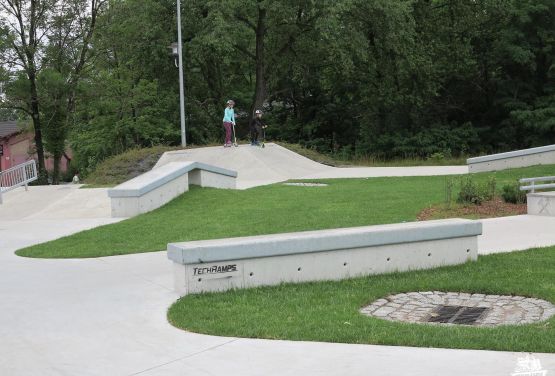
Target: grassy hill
119, 168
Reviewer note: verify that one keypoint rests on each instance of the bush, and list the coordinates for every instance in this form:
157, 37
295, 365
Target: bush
125, 166
489, 189
512, 194
474, 193
449, 184
470, 192
437, 157
436, 142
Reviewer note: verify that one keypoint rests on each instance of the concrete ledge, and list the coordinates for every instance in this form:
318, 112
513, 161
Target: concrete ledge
160, 185
130, 206
162, 175
216, 265
541, 203
513, 159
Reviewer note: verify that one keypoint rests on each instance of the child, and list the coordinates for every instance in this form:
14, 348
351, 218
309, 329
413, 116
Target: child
229, 121
256, 127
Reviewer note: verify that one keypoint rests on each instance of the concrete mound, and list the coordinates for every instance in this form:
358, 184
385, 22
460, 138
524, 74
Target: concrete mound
255, 166
274, 163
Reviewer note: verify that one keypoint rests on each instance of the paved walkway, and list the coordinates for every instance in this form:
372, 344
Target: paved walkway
107, 316
55, 202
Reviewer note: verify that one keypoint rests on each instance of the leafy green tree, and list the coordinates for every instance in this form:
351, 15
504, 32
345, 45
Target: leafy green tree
350, 77
526, 81
129, 97
21, 25
47, 42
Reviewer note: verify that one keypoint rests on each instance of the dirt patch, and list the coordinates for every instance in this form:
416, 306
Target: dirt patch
489, 209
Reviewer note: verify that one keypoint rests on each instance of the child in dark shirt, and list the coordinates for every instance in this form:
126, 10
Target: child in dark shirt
257, 124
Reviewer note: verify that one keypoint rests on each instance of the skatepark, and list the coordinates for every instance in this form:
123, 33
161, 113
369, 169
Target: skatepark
107, 315
256, 166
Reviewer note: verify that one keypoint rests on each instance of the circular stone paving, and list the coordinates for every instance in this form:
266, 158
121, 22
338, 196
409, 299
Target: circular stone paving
449, 308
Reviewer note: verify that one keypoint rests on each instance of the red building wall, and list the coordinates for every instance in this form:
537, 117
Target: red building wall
19, 148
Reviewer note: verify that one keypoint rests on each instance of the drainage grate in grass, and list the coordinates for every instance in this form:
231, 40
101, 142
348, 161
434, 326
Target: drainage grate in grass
445, 308
457, 314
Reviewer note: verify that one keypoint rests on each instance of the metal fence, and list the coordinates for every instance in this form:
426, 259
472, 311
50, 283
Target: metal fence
18, 176
533, 186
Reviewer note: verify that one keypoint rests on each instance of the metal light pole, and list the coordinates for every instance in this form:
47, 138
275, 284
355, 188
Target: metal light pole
181, 87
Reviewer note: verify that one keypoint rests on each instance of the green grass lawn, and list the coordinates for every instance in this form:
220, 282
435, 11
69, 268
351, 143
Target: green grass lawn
213, 213
329, 311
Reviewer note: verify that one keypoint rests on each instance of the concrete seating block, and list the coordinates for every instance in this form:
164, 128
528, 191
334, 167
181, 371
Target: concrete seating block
221, 264
513, 159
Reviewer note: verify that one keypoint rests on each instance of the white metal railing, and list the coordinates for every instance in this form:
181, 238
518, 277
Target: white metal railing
533, 186
17, 176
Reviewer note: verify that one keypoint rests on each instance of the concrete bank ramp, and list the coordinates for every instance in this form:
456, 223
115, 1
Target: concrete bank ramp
256, 166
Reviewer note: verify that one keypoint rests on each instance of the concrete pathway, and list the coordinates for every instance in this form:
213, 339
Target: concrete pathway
107, 316
257, 166
55, 202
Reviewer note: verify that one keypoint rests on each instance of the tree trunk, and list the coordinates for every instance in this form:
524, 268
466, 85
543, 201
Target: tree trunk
56, 170
35, 115
260, 92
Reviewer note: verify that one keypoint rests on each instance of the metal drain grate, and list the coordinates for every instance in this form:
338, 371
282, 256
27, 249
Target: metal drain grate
457, 314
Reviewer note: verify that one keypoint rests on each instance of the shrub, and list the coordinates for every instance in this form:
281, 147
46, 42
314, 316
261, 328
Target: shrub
470, 192
473, 193
489, 189
512, 193
449, 184
437, 157
125, 166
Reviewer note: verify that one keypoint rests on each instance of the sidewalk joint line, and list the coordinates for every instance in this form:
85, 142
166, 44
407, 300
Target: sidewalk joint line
184, 357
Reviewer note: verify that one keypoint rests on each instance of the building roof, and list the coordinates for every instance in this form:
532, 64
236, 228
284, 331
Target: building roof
8, 128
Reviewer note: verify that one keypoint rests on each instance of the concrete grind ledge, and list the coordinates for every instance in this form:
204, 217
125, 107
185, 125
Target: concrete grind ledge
160, 185
159, 176
513, 159
222, 264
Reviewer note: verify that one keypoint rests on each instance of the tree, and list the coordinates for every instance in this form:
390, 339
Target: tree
399, 78
68, 51
129, 99
47, 36
526, 79
24, 25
